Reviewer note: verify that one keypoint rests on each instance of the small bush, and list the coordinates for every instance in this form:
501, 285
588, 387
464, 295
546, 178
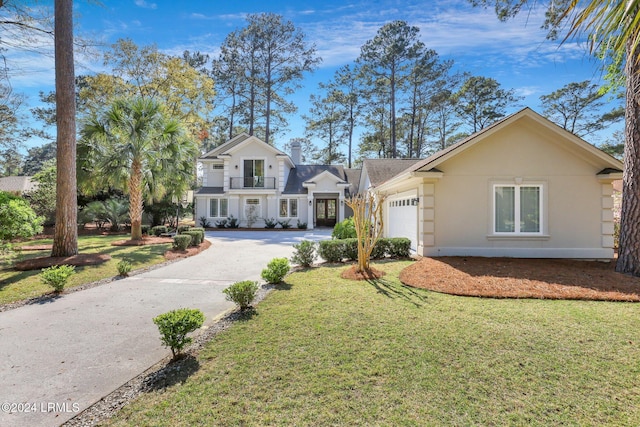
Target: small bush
285, 224
349, 248
196, 236
270, 223
344, 230
398, 247
331, 250
181, 242
305, 253
124, 267
197, 229
276, 270
204, 222
222, 223
301, 225
159, 229
242, 293
232, 222
145, 229
181, 229
175, 325
57, 276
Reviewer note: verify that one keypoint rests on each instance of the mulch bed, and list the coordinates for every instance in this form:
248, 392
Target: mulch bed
522, 278
146, 240
77, 260
352, 273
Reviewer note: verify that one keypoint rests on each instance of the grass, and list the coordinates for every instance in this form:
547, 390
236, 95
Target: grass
20, 285
322, 350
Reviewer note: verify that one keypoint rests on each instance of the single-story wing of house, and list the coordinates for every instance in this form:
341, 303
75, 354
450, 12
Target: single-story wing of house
17, 184
523, 187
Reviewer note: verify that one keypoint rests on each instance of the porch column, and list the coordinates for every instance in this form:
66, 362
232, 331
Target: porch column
426, 218
310, 225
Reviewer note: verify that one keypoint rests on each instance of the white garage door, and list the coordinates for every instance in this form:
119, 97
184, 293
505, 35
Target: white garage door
403, 218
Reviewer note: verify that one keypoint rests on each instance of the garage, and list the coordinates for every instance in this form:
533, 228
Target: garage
402, 217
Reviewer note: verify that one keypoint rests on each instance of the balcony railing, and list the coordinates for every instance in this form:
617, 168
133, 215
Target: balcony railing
253, 182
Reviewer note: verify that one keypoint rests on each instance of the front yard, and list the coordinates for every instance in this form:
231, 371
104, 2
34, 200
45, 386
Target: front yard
322, 350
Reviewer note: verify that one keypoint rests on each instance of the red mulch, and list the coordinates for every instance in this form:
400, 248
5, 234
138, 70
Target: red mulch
77, 260
522, 278
351, 273
191, 251
146, 240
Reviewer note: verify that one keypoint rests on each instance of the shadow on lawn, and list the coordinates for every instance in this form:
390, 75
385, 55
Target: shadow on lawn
396, 291
175, 372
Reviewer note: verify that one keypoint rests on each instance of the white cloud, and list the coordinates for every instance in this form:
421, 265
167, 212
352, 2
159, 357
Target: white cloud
145, 5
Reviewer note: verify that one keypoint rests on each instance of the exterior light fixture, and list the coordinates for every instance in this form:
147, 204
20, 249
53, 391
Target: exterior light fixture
236, 166
309, 202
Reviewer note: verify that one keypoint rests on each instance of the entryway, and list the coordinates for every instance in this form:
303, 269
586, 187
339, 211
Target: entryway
326, 212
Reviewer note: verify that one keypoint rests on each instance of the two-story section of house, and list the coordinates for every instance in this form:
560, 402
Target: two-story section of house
250, 180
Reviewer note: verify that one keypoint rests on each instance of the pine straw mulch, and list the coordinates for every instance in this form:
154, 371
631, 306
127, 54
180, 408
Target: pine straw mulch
352, 273
522, 278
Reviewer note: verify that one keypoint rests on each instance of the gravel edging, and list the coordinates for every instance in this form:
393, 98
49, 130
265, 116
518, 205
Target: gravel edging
161, 375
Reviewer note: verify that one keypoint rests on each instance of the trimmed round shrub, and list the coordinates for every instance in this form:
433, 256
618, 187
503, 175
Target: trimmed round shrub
345, 229
159, 229
196, 236
175, 325
183, 228
331, 250
57, 276
181, 242
399, 247
242, 293
305, 253
276, 270
124, 267
380, 249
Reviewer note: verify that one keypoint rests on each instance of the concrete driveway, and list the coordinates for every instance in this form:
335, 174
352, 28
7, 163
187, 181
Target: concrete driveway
60, 357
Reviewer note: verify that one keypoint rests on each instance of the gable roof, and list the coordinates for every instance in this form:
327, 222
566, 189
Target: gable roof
382, 170
306, 173
17, 184
235, 143
430, 164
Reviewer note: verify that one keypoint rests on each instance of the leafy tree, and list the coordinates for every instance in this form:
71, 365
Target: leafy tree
17, 218
347, 93
134, 147
614, 146
37, 158
65, 238
369, 225
575, 107
614, 32
480, 102
388, 57
326, 123
42, 199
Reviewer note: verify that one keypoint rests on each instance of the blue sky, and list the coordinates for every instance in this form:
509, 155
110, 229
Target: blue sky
515, 53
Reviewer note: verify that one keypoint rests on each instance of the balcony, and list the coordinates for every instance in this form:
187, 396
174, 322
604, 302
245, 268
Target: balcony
253, 183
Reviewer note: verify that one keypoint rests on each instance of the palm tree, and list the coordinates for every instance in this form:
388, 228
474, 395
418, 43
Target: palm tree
134, 147
613, 28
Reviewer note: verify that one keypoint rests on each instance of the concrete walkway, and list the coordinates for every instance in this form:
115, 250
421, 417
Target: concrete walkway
58, 358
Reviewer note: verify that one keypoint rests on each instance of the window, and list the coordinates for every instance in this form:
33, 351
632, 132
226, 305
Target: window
517, 209
217, 166
288, 208
253, 173
219, 208
252, 208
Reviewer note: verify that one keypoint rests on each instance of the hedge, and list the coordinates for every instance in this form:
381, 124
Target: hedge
336, 250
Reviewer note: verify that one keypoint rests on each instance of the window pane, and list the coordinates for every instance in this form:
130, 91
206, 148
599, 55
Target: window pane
321, 209
331, 209
505, 210
294, 207
529, 209
283, 207
224, 207
213, 207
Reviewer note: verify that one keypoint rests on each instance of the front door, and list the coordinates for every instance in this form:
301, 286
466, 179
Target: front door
326, 212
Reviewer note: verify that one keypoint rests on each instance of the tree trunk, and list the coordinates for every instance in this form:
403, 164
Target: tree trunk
65, 238
629, 247
135, 199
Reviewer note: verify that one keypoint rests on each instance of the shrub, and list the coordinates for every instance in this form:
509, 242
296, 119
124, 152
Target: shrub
182, 228
285, 224
124, 267
344, 230
331, 250
380, 249
196, 237
175, 325
17, 219
232, 222
270, 223
276, 270
159, 229
145, 229
350, 249
57, 276
204, 222
242, 293
197, 229
305, 253
222, 223
398, 247
181, 242
302, 225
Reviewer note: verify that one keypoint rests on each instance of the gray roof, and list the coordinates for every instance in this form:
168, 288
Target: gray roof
210, 190
353, 178
303, 173
381, 170
17, 184
238, 139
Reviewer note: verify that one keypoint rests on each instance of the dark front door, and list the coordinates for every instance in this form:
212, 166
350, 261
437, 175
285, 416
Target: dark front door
326, 212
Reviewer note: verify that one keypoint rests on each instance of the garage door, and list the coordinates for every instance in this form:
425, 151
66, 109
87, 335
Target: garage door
403, 218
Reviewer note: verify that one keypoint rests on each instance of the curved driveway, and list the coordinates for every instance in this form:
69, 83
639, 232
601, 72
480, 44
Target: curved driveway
59, 358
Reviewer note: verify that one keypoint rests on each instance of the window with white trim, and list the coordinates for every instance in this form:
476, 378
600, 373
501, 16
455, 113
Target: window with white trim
215, 166
288, 208
218, 208
517, 209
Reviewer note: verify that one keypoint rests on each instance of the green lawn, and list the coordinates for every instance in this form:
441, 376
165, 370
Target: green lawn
326, 351
20, 285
